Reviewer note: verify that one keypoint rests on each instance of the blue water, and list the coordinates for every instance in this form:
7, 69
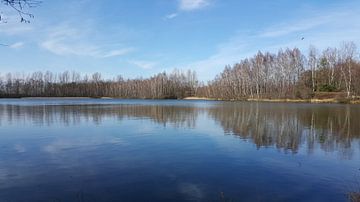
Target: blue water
172, 150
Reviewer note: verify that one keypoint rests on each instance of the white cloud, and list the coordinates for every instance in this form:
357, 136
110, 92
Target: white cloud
171, 16
143, 64
188, 5
65, 40
60, 47
17, 28
229, 52
118, 52
17, 45
10, 24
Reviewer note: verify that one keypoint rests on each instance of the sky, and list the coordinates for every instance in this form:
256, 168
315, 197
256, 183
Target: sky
140, 38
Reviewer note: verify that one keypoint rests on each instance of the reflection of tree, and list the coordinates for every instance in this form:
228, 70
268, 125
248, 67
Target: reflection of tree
290, 126
286, 126
266, 126
177, 116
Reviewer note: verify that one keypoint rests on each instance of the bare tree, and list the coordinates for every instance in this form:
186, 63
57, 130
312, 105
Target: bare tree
312, 62
284, 75
347, 56
330, 54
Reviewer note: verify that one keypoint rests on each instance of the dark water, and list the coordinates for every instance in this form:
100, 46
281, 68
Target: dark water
133, 150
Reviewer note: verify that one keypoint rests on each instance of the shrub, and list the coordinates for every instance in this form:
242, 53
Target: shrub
327, 88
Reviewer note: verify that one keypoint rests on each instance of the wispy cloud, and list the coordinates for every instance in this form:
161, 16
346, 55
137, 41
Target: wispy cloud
301, 25
229, 52
17, 45
65, 40
118, 52
143, 64
12, 28
171, 16
189, 5
326, 28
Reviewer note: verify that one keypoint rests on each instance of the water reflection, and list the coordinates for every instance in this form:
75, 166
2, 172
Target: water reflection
290, 126
177, 151
286, 126
48, 115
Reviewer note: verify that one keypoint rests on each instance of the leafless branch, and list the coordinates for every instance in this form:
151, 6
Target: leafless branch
20, 7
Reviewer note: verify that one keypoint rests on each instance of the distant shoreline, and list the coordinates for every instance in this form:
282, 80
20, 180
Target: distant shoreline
57, 98
319, 101
330, 100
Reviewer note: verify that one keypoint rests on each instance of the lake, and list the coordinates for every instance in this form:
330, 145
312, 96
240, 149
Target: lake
177, 150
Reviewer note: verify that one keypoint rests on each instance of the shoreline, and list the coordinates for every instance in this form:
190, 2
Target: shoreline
314, 100
199, 98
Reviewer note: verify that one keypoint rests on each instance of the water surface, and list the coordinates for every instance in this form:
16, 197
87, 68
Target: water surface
151, 150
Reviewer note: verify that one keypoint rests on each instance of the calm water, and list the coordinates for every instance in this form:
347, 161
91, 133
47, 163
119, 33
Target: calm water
134, 150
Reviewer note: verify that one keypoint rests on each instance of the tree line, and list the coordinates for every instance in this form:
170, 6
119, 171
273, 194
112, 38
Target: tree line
289, 74
286, 74
177, 84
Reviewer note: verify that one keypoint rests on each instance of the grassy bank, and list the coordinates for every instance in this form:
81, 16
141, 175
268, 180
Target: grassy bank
318, 97
328, 100
337, 100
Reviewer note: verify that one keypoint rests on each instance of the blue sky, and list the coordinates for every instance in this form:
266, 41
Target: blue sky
142, 37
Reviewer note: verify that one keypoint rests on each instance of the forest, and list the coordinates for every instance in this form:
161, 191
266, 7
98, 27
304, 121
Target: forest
287, 74
72, 84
